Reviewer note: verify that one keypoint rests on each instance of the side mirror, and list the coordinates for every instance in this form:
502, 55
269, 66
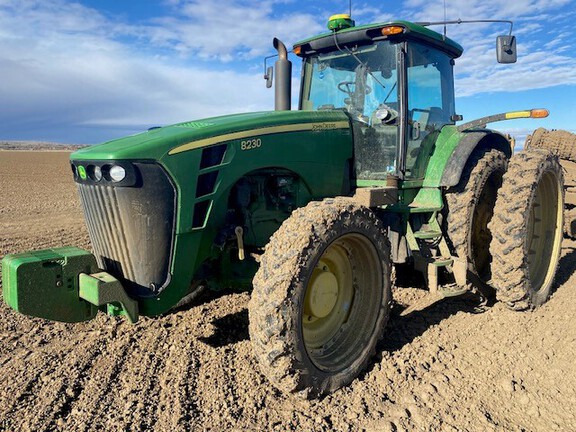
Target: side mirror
269, 76
506, 49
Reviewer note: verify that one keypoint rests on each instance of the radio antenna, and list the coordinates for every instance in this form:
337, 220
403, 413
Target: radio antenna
445, 19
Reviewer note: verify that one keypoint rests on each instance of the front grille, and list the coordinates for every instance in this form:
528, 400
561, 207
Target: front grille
132, 229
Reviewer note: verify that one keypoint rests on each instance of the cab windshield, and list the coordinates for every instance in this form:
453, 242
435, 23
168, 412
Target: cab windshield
359, 80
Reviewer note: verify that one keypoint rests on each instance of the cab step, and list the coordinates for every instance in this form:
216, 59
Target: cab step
441, 261
427, 234
452, 290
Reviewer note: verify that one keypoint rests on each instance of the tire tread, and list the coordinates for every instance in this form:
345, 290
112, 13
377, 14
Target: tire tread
509, 252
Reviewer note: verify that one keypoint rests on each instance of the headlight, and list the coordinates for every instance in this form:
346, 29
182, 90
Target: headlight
94, 172
97, 173
117, 173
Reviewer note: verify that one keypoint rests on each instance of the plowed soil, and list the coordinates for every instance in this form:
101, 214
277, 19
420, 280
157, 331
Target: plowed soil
452, 366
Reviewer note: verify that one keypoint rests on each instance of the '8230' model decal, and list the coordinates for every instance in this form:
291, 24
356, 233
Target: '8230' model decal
250, 144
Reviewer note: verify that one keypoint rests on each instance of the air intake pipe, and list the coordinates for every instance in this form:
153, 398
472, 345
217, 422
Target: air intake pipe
283, 88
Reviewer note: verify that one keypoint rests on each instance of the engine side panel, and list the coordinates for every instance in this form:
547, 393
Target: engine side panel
291, 166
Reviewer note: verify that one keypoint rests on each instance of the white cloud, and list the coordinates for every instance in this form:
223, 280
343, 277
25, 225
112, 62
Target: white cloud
244, 31
62, 67
536, 68
112, 90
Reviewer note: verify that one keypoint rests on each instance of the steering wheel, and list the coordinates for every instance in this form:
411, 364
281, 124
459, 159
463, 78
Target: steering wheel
345, 87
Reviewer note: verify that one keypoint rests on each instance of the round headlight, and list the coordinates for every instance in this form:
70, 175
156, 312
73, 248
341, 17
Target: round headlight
117, 173
94, 172
97, 173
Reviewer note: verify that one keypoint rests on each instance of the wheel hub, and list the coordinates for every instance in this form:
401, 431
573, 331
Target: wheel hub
322, 294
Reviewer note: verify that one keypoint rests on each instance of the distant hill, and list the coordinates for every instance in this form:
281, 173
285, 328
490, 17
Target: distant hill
38, 145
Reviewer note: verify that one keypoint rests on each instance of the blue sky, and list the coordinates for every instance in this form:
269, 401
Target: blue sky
91, 70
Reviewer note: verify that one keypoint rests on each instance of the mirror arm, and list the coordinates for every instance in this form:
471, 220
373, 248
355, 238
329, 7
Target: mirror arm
268, 70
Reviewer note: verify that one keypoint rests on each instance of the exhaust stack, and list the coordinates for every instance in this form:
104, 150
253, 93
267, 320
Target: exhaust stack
283, 88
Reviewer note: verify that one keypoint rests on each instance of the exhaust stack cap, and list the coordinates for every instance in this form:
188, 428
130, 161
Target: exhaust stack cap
283, 88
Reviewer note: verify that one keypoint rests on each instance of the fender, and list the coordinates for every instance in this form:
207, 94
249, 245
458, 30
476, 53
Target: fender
460, 141
453, 149
471, 140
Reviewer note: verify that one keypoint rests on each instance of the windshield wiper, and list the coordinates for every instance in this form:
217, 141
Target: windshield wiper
360, 62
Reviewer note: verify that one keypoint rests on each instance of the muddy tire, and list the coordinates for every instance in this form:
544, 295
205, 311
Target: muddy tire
527, 228
470, 206
321, 297
559, 142
563, 144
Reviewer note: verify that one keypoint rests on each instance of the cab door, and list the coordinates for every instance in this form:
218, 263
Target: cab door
430, 103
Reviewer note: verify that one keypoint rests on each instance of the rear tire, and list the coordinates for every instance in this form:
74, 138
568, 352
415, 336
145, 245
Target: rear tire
527, 228
559, 142
321, 297
563, 144
470, 207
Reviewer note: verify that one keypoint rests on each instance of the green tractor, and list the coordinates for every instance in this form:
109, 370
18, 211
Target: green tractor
311, 208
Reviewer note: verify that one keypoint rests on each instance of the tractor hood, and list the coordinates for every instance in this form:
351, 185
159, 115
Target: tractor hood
161, 142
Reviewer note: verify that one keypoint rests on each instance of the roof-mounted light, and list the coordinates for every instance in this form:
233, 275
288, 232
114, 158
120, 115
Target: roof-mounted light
340, 22
392, 30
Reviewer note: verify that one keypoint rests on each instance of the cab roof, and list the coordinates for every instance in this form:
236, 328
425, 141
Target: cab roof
372, 32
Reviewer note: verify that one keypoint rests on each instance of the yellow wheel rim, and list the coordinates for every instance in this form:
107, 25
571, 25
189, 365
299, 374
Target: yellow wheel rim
544, 232
342, 302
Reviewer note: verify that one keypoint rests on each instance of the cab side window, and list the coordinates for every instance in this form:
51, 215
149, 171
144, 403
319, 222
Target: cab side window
430, 101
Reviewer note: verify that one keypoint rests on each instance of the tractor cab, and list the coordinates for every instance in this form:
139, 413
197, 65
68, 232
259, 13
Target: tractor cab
395, 81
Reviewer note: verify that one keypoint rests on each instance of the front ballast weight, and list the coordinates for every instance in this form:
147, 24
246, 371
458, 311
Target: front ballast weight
63, 284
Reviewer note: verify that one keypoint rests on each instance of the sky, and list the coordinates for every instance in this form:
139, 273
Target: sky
88, 71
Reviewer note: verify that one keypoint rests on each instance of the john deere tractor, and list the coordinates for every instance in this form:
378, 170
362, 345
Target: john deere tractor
312, 207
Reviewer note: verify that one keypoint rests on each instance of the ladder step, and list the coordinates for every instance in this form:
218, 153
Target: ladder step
441, 262
428, 235
437, 261
452, 290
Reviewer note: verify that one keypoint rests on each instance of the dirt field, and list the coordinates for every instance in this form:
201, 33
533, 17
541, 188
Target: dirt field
446, 368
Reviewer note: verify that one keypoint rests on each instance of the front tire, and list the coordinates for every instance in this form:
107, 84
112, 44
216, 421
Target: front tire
527, 228
321, 297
